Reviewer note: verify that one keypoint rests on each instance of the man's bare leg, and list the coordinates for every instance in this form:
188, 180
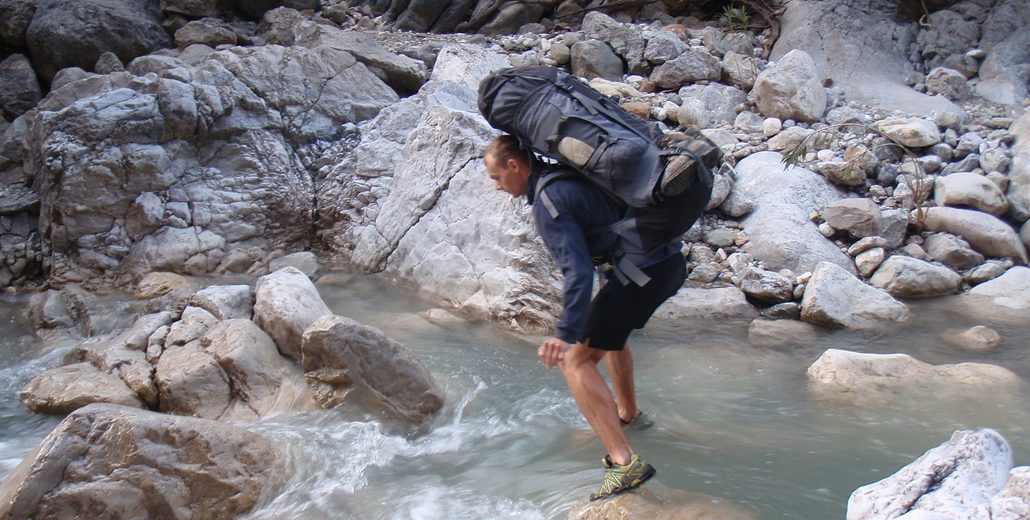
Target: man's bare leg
620, 369
595, 400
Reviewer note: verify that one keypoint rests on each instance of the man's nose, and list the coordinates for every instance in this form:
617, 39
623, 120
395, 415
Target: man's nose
497, 185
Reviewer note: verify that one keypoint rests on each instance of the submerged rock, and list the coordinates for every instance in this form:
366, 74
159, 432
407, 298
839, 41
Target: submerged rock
782, 333
862, 377
109, 461
967, 477
340, 353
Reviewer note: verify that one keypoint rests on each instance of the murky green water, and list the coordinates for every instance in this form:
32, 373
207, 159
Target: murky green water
732, 420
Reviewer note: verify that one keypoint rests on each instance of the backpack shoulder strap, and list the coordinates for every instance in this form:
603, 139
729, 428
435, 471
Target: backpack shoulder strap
548, 178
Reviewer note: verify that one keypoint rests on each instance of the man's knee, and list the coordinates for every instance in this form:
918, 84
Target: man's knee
580, 356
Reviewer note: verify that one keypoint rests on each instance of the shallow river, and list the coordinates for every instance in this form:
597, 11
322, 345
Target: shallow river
732, 421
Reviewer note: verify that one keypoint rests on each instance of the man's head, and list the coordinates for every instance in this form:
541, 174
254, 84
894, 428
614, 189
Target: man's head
507, 164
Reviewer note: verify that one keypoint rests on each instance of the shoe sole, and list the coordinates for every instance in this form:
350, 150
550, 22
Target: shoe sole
681, 171
648, 473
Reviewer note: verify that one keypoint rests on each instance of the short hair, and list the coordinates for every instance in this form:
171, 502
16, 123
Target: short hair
505, 147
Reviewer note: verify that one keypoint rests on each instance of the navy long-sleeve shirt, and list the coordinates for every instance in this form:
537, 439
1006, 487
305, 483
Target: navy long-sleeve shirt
581, 207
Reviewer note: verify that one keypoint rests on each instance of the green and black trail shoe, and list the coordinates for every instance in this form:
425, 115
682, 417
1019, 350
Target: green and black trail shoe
641, 422
622, 478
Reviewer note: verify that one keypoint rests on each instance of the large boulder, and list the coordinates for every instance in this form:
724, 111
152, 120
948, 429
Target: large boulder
74, 33
969, 189
109, 461
192, 382
595, 59
863, 377
693, 65
709, 104
263, 382
625, 39
868, 56
65, 389
965, 477
792, 89
907, 277
286, 304
987, 234
781, 232
836, 298
340, 353
723, 302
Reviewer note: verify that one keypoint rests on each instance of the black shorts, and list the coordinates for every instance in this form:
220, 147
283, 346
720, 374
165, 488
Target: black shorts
619, 309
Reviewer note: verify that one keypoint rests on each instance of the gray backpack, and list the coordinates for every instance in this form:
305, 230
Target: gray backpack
664, 185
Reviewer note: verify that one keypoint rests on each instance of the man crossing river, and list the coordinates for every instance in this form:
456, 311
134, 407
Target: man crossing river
567, 211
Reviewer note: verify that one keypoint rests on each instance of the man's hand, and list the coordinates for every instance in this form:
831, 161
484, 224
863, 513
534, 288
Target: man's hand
552, 352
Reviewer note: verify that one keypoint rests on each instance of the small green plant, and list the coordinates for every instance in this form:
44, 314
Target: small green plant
823, 136
735, 18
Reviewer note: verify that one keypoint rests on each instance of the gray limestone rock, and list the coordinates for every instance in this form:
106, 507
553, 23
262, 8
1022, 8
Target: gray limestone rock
691, 66
961, 478
906, 277
112, 460
19, 88
952, 251
948, 83
836, 298
263, 382
781, 233
67, 33
286, 304
791, 90
969, 189
663, 46
595, 59
723, 302
340, 352
191, 327
1010, 290
858, 217
191, 382
716, 102
208, 31
766, 286
947, 33
910, 132
625, 39
62, 390
869, 261
225, 302
987, 234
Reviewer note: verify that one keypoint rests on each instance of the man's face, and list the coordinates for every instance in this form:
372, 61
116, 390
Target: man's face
508, 176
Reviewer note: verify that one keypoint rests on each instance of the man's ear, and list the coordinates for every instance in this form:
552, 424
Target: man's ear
513, 164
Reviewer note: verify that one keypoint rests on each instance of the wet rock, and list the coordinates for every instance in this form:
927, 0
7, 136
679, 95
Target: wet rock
113, 356
961, 478
969, 189
766, 286
1010, 290
286, 304
948, 83
910, 132
657, 502
112, 460
792, 89
75, 33
625, 39
836, 298
977, 339
863, 377
225, 302
780, 231
20, 90
339, 352
64, 389
782, 333
905, 277
158, 284
595, 59
987, 234
191, 382
693, 65
952, 251
723, 302
869, 261
859, 217
208, 31
47, 310
263, 382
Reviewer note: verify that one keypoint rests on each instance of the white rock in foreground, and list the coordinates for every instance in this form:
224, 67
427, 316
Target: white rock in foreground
110, 461
836, 298
964, 478
860, 376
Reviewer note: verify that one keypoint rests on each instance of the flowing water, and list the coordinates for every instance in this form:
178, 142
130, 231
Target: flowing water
732, 421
